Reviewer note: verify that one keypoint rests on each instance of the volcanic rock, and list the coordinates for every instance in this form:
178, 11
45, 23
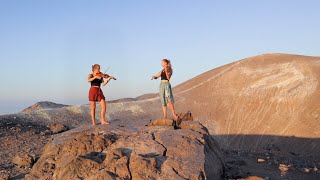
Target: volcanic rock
145, 152
57, 127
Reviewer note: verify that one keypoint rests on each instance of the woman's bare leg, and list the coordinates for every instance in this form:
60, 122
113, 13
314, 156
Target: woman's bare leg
103, 111
164, 108
93, 112
171, 105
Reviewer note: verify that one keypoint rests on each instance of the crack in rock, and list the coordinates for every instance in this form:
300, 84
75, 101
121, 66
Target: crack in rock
178, 173
128, 165
155, 139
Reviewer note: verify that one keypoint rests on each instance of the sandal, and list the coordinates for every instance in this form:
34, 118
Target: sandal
178, 120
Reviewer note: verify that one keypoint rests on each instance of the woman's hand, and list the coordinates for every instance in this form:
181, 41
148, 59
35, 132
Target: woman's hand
156, 76
107, 80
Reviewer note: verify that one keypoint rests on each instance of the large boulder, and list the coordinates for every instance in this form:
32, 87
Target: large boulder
150, 152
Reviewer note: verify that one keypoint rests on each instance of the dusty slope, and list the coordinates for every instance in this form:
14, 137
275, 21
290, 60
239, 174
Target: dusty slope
272, 94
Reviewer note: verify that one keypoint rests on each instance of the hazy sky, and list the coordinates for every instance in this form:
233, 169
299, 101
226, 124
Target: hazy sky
47, 47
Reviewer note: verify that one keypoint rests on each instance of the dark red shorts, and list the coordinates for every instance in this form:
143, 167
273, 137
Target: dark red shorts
96, 94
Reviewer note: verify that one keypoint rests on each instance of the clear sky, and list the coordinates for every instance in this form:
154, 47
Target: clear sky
47, 47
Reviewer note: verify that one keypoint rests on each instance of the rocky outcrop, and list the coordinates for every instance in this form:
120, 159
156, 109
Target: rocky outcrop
119, 152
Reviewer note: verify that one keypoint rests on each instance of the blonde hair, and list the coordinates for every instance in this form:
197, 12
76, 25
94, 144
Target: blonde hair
168, 62
95, 66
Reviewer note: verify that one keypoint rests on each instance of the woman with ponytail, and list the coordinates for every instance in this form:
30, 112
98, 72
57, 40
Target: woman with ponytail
166, 95
96, 94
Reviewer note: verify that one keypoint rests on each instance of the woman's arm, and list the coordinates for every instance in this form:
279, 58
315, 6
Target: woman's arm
157, 76
91, 77
106, 82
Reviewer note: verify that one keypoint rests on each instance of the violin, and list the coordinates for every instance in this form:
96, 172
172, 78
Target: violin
100, 74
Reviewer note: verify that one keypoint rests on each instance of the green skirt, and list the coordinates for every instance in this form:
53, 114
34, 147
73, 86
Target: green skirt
166, 93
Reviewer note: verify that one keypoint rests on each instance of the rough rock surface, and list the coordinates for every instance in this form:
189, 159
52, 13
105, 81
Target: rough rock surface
156, 152
57, 127
4, 176
23, 160
20, 139
162, 122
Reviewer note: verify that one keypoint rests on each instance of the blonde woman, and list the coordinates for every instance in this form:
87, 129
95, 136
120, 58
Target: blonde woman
166, 95
96, 94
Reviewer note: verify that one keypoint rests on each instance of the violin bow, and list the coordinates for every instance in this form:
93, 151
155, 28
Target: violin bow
107, 70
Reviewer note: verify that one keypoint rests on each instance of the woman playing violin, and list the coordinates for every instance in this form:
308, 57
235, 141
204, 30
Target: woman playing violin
96, 94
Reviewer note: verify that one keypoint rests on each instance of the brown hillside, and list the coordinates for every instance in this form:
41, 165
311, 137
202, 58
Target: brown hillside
271, 94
